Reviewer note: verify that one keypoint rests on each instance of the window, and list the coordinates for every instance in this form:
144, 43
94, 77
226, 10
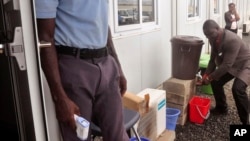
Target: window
148, 11
134, 14
128, 12
193, 7
216, 7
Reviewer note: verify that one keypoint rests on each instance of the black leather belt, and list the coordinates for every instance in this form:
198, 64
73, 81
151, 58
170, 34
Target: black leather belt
83, 53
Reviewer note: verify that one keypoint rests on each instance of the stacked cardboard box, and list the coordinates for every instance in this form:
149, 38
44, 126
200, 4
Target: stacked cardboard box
135, 102
153, 123
178, 94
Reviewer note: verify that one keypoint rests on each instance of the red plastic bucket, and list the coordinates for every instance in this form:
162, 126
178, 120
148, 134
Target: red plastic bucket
199, 109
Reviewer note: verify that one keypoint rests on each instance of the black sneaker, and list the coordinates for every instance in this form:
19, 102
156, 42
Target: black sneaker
219, 111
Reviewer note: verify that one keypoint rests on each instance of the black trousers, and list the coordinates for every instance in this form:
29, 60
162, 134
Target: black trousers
93, 84
239, 94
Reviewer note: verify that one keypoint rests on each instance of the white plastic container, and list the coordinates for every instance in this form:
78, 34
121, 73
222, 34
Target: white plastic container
82, 127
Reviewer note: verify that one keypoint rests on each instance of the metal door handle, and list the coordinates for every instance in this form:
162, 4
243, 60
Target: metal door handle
1, 48
43, 44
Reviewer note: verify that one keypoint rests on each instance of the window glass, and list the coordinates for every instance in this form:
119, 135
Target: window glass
128, 12
193, 8
148, 11
216, 7
135, 12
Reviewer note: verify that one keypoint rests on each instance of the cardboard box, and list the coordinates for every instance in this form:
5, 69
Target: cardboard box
178, 99
178, 94
180, 87
134, 102
153, 123
167, 135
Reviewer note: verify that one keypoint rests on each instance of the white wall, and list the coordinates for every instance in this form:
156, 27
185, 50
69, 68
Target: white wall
146, 57
195, 28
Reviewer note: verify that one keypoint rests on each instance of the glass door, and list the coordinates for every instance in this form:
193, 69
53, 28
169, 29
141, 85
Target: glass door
22, 116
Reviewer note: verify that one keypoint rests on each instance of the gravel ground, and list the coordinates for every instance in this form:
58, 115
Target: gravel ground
215, 128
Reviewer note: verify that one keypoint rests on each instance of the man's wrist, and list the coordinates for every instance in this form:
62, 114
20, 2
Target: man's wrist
208, 78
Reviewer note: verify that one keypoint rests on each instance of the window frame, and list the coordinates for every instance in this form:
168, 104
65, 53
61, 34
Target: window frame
135, 28
218, 6
194, 18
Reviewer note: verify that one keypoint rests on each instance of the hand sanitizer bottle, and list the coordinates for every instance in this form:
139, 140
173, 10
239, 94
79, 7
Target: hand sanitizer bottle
82, 127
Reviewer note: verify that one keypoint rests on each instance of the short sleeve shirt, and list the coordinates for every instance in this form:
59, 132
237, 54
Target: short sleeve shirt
79, 23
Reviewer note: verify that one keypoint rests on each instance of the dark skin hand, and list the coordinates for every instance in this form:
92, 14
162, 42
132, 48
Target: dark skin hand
232, 9
123, 84
65, 108
205, 81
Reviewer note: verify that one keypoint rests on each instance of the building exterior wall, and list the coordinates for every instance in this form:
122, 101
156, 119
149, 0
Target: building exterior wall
146, 56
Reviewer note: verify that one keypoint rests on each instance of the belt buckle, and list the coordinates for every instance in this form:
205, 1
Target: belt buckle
85, 54
92, 53
74, 51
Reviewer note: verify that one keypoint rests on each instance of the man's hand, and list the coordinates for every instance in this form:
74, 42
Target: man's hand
65, 110
199, 82
206, 79
123, 84
205, 82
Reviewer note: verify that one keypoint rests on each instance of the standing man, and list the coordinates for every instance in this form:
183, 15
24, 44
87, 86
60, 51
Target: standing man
81, 66
230, 59
231, 18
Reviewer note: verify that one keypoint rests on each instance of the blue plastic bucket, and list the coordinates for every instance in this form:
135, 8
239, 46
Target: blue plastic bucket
172, 116
142, 139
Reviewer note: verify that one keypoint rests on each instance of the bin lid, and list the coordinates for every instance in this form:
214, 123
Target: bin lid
186, 39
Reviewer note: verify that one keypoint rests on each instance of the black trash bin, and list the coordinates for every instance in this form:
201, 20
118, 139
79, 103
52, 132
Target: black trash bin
186, 51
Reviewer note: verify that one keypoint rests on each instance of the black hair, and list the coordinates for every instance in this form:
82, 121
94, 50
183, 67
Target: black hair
230, 4
210, 24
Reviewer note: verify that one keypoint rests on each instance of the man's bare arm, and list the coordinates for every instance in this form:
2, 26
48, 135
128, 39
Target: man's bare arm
65, 108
